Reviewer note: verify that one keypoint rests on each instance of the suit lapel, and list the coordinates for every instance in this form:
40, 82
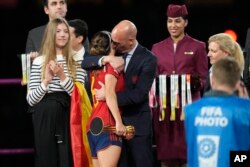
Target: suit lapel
134, 61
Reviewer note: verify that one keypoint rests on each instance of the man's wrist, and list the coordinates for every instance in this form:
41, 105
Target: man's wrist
100, 61
103, 60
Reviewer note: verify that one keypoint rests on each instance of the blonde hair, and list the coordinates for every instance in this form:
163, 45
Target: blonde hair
228, 45
48, 47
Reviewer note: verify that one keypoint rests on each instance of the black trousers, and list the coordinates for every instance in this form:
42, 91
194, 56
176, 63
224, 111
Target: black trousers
51, 131
137, 152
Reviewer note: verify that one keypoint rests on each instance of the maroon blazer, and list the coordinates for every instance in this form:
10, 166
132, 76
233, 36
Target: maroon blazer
190, 58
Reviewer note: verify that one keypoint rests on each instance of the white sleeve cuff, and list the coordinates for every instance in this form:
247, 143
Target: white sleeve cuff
100, 61
44, 87
64, 82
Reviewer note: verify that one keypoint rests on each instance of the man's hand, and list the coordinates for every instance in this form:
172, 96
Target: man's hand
241, 90
33, 55
100, 93
116, 62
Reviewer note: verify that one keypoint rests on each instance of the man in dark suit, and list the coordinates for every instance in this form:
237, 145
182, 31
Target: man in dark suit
140, 68
246, 72
53, 8
78, 34
247, 42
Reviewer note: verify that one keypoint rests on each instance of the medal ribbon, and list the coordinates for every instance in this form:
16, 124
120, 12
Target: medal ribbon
152, 95
183, 94
28, 69
174, 95
162, 96
189, 96
24, 71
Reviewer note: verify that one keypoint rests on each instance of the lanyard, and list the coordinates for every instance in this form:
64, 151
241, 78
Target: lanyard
152, 95
174, 87
162, 96
26, 62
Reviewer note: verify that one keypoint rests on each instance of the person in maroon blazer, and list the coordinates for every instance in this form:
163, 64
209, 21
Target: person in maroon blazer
177, 54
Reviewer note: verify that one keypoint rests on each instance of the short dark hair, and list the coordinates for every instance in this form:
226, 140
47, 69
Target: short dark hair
81, 28
45, 2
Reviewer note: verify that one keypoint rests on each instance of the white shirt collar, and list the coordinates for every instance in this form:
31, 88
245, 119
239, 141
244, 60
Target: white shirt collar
79, 54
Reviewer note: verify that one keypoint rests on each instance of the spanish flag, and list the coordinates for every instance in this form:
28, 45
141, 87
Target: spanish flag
79, 114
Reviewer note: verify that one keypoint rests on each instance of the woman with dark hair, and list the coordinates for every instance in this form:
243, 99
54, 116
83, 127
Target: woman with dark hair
183, 58
106, 146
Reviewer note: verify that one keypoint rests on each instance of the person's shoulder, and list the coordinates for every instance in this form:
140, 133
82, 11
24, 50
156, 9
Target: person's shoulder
38, 60
242, 100
161, 43
77, 56
110, 70
38, 29
146, 51
194, 40
235, 101
242, 105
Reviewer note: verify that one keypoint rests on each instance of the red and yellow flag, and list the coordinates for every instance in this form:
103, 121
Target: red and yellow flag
79, 114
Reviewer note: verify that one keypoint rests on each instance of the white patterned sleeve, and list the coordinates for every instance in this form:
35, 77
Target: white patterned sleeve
36, 89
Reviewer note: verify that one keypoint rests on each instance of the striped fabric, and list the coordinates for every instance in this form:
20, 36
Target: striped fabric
37, 89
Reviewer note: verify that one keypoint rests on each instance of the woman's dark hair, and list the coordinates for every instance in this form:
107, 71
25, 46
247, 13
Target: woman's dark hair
100, 43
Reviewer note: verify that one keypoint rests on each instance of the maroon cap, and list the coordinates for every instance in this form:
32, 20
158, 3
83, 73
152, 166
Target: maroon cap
177, 10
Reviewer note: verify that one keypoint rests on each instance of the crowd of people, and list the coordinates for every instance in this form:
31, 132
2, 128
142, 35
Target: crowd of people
119, 74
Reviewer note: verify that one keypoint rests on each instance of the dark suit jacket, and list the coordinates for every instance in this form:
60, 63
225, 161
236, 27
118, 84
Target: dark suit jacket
87, 83
247, 43
207, 86
139, 77
35, 37
246, 72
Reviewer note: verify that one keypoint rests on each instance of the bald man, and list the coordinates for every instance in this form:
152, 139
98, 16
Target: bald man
140, 68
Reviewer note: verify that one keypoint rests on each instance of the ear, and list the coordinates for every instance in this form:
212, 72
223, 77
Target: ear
239, 84
46, 10
80, 39
186, 23
225, 54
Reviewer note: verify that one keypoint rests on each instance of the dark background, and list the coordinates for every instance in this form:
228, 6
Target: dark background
17, 17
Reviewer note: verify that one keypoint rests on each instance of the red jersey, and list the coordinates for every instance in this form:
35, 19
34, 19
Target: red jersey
100, 108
